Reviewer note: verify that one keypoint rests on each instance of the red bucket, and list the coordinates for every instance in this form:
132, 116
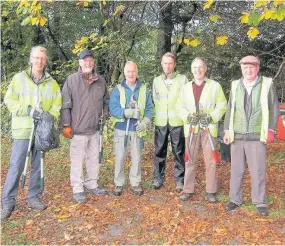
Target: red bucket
281, 123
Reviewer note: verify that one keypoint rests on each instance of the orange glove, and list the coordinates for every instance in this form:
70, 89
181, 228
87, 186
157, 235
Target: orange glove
270, 136
66, 132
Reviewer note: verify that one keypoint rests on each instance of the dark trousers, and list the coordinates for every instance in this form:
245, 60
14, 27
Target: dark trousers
178, 148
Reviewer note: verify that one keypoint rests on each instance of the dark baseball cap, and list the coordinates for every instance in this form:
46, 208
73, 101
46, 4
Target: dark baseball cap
85, 53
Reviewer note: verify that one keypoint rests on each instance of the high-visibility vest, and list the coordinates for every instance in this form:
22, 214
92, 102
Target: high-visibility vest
212, 101
165, 100
141, 105
265, 86
22, 92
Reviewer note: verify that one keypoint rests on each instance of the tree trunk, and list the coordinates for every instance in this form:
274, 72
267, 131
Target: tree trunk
166, 27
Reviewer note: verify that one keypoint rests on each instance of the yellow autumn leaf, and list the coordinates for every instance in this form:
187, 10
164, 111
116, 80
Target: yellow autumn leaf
43, 20
214, 18
179, 40
244, 17
29, 222
104, 2
208, 4
84, 39
35, 20
221, 230
106, 22
222, 40
252, 32
260, 3
194, 43
24, 3
269, 13
118, 8
82, 3
56, 196
186, 41
63, 217
278, 2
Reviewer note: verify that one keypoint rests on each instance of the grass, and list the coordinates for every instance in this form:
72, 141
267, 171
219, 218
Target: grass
223, 198
278, 213
15, 239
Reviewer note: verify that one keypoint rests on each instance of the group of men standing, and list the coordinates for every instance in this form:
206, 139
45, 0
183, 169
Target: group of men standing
187, 111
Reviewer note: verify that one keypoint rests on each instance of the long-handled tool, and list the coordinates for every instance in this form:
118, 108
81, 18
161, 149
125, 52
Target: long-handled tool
42, 171
24, 174
101, 122
132, 105
214, 151
187, 149
127, 133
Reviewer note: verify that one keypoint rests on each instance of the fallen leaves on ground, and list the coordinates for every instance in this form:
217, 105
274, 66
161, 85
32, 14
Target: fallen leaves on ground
157, 217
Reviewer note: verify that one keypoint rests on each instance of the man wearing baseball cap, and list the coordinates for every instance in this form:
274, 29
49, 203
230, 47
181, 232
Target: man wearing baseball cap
84, 98
249, 125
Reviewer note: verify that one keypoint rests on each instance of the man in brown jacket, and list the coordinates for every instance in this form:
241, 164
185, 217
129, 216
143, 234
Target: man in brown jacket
84, 98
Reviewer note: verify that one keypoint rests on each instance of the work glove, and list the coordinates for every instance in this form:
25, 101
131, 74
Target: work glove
132, 113
143, 124
205, 120
67, 132
35, 112
270, 136
193, 119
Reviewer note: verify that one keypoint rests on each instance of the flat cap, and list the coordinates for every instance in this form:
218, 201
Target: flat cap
250, 60
85, 53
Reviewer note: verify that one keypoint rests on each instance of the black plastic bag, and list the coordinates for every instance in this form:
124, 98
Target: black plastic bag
46, 135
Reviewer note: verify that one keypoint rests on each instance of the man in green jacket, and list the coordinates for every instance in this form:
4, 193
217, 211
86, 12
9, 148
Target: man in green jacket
29, 94
250, 123
166, 88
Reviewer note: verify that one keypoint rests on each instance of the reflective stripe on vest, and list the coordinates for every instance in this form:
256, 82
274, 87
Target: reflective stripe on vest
141, 105
166, 101
207, 101
265, 86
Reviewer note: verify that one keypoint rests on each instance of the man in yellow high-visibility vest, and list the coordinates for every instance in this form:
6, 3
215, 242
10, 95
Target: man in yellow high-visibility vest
250, 123
30, 93
201, 105
166, 88
131, 109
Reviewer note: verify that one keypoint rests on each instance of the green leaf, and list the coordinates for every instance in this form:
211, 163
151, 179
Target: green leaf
253, 19
26, 21
280, 13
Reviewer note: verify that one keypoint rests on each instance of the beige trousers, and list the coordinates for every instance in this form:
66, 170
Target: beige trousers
189, 180
84, 147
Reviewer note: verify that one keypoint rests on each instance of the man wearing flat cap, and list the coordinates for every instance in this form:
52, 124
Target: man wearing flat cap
84, 98
249, 125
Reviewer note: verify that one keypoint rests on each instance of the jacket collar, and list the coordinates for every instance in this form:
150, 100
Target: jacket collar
171, 76
46, 75
92, 79
138, 83
258, 80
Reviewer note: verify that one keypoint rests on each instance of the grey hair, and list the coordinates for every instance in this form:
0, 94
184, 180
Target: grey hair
171, 55
131, 63
199, 59
39, 48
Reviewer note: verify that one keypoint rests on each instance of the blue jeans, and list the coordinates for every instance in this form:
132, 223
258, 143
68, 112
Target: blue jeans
17, 163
